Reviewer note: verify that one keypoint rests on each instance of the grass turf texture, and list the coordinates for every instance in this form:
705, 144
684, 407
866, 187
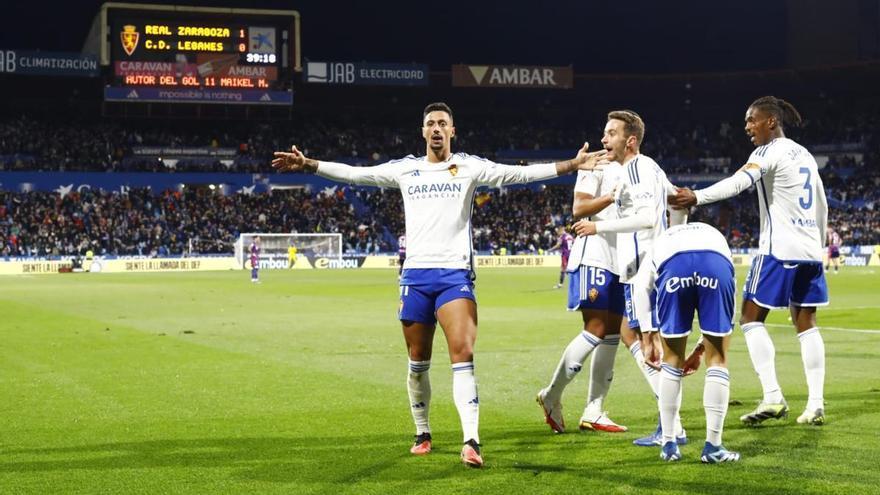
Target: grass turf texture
206, 383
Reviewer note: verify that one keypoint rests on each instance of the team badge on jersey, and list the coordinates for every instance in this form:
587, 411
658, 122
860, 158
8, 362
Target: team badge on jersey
593, 294
129, 38
453, 170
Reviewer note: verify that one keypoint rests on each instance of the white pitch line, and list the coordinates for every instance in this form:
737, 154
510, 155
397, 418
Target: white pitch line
844, 308
838, 329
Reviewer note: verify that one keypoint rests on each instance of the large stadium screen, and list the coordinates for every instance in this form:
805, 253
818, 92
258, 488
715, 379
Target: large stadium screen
241, 50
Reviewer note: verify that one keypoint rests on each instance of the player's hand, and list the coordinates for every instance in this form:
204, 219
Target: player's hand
294, 161
684, 198
586, 160
614, 195
651, 349
692, 362
584, 228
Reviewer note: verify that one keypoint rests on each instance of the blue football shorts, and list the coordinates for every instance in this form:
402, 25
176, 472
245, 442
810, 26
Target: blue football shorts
701, 281
773, 283
590, 287
424, 290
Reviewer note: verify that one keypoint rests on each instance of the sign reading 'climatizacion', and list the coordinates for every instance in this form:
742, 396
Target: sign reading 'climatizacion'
34, 63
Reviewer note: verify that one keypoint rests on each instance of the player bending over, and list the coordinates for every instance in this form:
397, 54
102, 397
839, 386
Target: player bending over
787, 272
438, 274
693, 271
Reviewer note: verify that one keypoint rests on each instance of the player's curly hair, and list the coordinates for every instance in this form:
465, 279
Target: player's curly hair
437, 106
633, 125
784, 111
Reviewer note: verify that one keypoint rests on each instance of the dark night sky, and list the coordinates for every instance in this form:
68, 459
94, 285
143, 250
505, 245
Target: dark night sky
596, 36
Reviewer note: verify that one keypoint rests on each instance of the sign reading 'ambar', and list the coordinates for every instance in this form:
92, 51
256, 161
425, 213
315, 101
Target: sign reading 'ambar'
512, 76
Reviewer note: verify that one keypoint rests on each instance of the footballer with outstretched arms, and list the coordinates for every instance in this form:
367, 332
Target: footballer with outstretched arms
787, 271
437, 281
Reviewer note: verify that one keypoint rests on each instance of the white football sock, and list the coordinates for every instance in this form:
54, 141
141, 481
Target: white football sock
670, 400
813, 356
763, 356
570, 365
652, 376
602, 372
418, 384
716, 394
464, 393
679, 429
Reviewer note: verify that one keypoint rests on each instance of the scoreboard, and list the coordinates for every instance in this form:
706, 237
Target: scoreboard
153, 52
204, 49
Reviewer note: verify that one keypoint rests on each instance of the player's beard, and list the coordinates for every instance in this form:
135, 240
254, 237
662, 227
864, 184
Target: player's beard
437, 145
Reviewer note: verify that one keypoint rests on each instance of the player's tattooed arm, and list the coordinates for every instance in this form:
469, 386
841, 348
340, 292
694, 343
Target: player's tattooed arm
584, 160
294, 161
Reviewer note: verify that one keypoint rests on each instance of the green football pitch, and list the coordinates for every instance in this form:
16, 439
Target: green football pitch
206, 383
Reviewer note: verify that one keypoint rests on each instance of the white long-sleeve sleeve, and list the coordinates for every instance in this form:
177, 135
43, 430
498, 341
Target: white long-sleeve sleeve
497, 175
643, 218
726, 188
380, 175
821, 211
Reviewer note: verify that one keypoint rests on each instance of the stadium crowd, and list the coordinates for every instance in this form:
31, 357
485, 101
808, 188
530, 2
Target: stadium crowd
513, 221
141, 222
200, 221
682, 146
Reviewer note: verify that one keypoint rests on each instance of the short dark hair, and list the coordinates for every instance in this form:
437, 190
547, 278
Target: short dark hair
437, 106
633, 125
784, 111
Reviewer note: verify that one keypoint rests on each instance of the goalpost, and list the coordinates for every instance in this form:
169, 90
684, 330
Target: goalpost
273, 248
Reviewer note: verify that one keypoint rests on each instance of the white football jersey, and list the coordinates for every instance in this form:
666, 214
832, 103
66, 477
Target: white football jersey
791, 198
644, 185
689, 237
598, 250
438, 199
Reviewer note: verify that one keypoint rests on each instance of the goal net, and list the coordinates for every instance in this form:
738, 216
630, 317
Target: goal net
274, 248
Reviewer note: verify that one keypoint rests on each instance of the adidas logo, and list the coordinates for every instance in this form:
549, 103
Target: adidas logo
266, 97
133, 94
415, 174
464, 288
575, 369
418, 405
475, 401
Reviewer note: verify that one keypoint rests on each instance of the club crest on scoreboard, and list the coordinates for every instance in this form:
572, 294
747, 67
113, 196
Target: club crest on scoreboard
129, 38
